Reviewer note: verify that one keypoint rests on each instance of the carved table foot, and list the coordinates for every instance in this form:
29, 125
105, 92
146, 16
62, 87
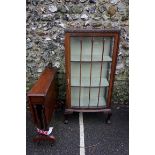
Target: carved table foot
39, 138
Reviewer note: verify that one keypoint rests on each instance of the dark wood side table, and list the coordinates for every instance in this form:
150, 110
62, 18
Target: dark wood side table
42, 101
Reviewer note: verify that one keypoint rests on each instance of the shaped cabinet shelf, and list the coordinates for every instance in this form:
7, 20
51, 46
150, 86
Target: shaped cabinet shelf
86, 58
90, 57
86, 82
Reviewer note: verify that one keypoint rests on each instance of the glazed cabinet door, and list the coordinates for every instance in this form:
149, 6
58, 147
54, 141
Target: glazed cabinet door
90, 62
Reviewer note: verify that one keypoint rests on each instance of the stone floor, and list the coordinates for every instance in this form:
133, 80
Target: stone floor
100, 138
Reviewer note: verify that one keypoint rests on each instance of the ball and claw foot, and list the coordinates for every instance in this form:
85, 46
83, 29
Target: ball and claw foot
107, 118
52, 144
108, 122
66, 121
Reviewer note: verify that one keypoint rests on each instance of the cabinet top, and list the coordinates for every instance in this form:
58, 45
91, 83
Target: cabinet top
42, 85
92, 31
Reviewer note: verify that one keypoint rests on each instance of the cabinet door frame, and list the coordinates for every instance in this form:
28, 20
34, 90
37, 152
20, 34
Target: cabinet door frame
90, 33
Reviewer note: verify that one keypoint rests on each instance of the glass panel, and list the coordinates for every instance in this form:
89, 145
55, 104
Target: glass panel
74, 96
94, 97
96, 69
75, 48
84, 99
75, 74
107, 46
86, 49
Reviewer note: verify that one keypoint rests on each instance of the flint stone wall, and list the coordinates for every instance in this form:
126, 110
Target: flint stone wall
46, 22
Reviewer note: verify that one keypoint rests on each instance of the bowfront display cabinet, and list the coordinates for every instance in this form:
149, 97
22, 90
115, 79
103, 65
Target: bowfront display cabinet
90, 58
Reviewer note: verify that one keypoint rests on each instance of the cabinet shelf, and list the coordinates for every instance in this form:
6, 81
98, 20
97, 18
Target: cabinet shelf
87, 58
85, 82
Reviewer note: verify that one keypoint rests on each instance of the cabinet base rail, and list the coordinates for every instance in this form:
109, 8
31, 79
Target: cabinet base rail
67, 111
107, 112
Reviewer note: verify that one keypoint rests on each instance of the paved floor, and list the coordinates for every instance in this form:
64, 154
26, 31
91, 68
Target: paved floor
100, 138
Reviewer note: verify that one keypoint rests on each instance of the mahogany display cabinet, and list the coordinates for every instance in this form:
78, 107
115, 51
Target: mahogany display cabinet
90, 58
42, 101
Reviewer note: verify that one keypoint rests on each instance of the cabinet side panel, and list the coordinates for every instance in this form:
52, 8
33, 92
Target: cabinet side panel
113, 68
67, 63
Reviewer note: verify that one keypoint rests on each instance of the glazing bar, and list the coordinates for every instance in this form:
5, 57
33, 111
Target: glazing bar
80, 69
108, 68
91, 67
100, 74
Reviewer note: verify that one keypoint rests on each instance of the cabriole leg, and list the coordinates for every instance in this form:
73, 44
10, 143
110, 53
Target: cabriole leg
107, 117
66, 115
65, 118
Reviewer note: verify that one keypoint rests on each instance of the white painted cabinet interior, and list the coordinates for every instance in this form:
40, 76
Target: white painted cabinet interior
91, 91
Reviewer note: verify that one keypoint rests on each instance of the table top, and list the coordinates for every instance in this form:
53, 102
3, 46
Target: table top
42, 85
92, 30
